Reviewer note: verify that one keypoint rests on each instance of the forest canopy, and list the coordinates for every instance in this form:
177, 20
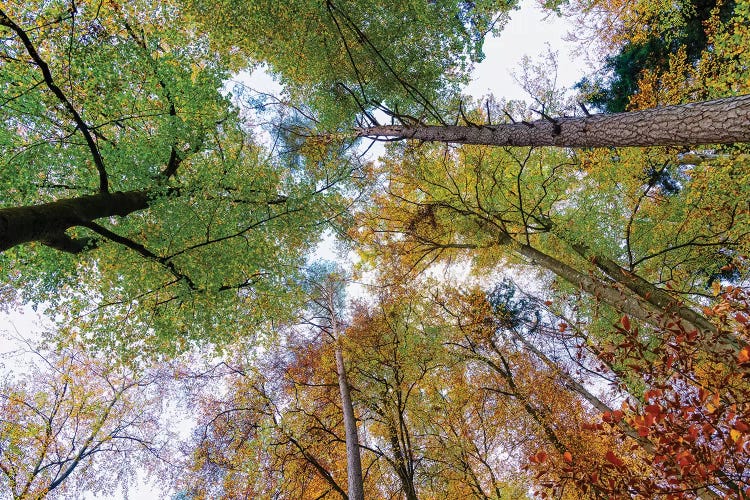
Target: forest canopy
549, 298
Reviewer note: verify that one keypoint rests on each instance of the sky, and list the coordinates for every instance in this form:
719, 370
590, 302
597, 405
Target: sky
529, 32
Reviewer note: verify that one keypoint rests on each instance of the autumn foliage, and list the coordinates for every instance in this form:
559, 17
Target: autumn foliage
691, 421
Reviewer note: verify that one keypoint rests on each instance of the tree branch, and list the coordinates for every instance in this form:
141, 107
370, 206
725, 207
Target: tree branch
49, 81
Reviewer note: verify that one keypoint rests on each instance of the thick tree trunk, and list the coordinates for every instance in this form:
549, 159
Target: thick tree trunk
353, 460
647, 291
722, 121
622, 300
48, 222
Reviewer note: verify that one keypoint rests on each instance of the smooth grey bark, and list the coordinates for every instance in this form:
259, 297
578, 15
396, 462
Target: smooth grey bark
646, 290
721, 121
404, 468
353, 459
638, 298
47, 223
622, 300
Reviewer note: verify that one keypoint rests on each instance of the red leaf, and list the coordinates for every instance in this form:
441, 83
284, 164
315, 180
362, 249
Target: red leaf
653, 409
614, 459
693, 432
562, 327
625, 322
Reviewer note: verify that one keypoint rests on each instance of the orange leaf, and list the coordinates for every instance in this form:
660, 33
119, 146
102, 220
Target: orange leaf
744, 355
568, 457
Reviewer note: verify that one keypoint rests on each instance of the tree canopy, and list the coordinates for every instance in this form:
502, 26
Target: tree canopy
555, 302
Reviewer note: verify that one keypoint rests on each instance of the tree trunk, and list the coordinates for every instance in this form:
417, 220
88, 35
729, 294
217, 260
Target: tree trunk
403, 470
353, 460
48, 222
622, 300
722, 121
647, 291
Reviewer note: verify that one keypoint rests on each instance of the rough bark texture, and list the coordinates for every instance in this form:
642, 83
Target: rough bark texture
722, 121
354, 462
48, 222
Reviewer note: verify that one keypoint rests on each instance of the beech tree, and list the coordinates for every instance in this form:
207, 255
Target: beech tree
500, 205
131, 179
327, 303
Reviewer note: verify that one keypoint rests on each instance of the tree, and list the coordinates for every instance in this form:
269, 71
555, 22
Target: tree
722, 121
266, 425
327, 300
496, 205
76, 423
131, 178
358, 57
691, 419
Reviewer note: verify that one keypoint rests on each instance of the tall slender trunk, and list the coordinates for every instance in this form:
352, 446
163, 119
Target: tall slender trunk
403, 470
721, 121
47, 223
353, 460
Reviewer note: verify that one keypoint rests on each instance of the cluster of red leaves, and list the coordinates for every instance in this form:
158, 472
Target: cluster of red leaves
688, 436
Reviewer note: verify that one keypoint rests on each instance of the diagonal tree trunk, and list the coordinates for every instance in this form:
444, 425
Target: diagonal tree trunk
646, 290
722, 121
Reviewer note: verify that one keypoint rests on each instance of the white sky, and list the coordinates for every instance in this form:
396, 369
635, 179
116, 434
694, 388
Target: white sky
528, 33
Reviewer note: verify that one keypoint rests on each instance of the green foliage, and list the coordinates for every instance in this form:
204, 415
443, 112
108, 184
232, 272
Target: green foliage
677, 26
341, 57
216, 252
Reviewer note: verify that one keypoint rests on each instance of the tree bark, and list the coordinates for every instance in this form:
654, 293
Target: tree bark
403, 470
647, 291
622, 300
354, 462
47, 223
721, 121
